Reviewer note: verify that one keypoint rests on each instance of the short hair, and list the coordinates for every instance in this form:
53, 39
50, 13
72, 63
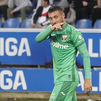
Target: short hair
55, 8
47, 1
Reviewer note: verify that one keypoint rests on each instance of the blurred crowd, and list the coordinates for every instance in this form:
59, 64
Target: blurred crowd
37, 9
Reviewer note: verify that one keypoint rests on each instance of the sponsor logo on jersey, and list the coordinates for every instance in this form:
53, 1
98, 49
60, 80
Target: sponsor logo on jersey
53, 34
64, 37
63, 93
69, 76
58, 45
80, 37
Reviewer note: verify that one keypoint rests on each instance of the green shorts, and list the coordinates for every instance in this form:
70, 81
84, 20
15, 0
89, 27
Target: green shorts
64, 91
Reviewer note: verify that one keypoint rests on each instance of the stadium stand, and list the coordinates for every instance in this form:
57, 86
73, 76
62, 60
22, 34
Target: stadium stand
84, 23
12, 23
1, 15
97, 24
26, 23
0, 23
28, 15
34, 3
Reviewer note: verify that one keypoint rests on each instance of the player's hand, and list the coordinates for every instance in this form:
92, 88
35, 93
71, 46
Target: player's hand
57, 26
39, 26
32, 26
87, 85
12, 11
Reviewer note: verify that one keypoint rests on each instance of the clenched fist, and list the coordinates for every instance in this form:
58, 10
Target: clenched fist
87, 85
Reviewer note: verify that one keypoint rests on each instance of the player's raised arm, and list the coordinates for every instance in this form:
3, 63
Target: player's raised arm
44, 34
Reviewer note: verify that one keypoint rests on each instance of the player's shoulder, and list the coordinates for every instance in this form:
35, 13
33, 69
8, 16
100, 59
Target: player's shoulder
72, 29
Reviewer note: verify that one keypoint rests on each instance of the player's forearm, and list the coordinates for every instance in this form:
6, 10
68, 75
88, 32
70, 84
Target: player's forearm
44, 34
86, 60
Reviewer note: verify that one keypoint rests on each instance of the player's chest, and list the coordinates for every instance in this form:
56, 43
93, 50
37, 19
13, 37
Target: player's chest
61, 42
62, 39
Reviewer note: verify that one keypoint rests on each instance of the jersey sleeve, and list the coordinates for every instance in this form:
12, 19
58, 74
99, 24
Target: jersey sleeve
44, 35
86, 60
79, 43
77, 38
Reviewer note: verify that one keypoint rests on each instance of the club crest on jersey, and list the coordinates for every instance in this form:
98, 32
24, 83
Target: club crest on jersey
64, 37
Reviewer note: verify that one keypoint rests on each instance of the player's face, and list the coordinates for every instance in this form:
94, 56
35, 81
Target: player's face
56, 17
43, 3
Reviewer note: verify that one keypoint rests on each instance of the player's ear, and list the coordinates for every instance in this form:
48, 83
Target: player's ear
63, 15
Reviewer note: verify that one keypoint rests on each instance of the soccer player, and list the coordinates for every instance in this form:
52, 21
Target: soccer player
65, 42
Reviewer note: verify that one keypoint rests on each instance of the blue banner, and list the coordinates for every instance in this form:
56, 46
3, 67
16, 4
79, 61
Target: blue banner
93, 42
39, 80
20, 48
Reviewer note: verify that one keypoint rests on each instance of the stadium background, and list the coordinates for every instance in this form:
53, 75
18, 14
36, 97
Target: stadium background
26, 66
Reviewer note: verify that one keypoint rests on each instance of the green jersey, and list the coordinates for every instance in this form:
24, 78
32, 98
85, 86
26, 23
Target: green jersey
64, 45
